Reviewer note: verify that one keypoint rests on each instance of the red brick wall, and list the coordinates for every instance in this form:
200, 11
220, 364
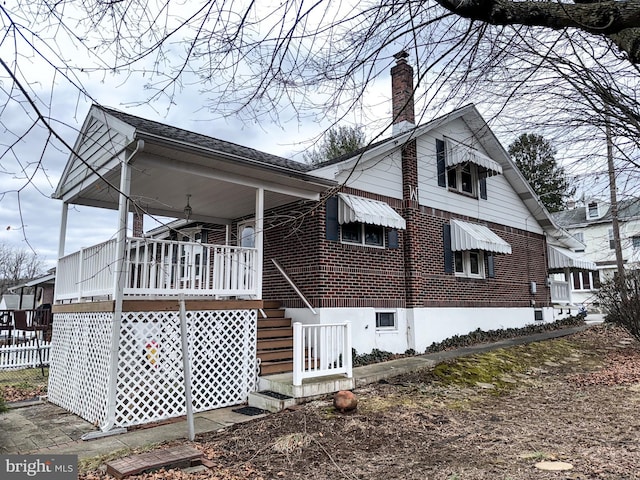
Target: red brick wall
332, 274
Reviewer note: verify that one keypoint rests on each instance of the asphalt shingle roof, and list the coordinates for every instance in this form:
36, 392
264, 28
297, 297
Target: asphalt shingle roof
627, 209
158, 129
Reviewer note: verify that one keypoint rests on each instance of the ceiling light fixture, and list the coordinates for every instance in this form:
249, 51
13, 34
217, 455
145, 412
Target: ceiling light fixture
187, 209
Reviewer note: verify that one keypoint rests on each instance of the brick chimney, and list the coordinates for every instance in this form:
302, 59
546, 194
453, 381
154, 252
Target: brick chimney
402, 94
138, 227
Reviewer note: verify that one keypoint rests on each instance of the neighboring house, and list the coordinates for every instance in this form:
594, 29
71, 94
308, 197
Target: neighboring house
43, 287
12, 301
591, 223
430, 233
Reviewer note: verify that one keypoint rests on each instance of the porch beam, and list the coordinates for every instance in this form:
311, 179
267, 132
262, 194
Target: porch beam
208, 172
154, 211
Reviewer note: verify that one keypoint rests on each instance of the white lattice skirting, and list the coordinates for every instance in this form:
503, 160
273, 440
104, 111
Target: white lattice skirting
150, 377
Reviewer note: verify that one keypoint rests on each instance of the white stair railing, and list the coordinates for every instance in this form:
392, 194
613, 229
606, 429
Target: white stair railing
321, 350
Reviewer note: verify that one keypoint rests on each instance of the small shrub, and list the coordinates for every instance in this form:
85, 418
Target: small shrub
624, 311
481, 336
472, 338
3, 405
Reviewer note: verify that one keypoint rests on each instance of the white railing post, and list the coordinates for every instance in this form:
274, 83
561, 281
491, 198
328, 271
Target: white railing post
347, 359
80, 273
298, 353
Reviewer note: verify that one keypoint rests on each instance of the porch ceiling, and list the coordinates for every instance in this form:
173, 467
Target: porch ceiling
221, 189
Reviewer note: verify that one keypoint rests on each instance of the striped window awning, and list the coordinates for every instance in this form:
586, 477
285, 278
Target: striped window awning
471, 236
457, 153
561, 258
352, 208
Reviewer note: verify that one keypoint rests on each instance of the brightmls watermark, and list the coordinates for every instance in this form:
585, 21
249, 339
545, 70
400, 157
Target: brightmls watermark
49, 467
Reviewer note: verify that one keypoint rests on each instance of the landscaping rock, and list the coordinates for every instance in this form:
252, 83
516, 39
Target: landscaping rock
345, 401
554, 466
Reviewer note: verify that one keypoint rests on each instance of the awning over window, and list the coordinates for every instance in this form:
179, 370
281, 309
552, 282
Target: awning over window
561, 258
471, 236
352, 208
458, 153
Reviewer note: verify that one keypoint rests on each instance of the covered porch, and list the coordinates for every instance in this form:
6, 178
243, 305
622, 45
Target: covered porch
562, 262
136, 166
148, 326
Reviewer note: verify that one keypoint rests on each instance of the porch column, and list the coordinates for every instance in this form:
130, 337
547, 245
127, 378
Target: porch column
569, 280
63, 229
121, 235
118, 286
259, 240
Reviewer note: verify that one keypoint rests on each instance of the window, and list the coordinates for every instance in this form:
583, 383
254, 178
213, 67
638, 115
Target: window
579, 236
247, 234
636, 242
469, 263
463, 178
612, 242
592, 210
584, 280
363, 234
386, 320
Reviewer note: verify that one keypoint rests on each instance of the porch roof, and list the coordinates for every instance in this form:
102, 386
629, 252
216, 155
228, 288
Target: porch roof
169, 163
561, 258
365, 210
472, 236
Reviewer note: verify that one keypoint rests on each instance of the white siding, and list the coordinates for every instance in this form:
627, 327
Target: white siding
381, 174
503, 206
98, 147
596, 240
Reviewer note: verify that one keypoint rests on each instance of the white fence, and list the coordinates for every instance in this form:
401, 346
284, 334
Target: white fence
321, 350
149, 381
24, 355
159, 267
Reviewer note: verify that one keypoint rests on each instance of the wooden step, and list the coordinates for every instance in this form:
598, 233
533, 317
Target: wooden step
275, 354
273, 322
271, 368
277, 332
269, 304
274, 343
274, 312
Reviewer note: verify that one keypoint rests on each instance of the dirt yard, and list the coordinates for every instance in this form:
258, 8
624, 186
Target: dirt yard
491, 416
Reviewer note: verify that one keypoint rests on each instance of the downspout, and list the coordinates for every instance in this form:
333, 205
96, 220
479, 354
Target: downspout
119, 282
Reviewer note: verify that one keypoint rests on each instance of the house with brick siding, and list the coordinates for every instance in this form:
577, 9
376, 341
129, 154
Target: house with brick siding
428, 234
277, 266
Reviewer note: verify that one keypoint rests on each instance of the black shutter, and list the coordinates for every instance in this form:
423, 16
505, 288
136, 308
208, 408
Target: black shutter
332, 219
491, 269
392, 238
448, 253
483, 188
440, 162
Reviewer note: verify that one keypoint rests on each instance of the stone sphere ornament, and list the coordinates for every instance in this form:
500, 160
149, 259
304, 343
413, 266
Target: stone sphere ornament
345, 401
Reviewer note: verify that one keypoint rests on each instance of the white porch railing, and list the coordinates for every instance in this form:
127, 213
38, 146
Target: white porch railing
321, 350
560, 291
158, 267
25, 355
